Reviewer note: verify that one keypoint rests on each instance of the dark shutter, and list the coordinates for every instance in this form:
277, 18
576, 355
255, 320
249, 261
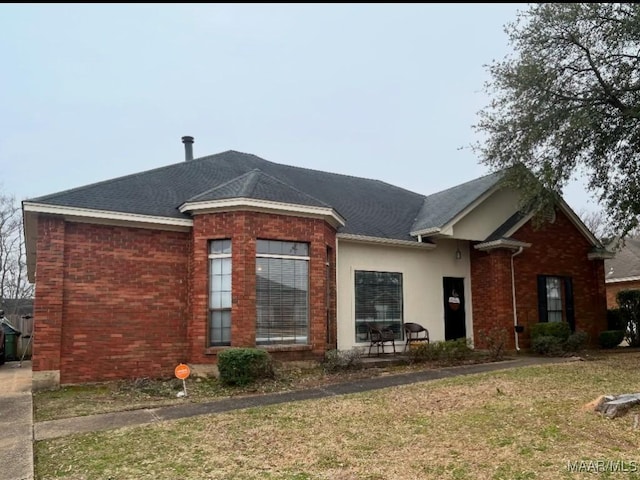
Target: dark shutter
542, 298
568, 303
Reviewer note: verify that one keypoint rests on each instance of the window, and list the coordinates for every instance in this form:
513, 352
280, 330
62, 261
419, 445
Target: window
220, 292
282, 292
379, 302
555, 299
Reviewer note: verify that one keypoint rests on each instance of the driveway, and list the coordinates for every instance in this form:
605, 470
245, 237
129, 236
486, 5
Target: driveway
16, 422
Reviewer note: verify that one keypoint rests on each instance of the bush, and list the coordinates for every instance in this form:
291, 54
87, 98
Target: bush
551, 346
629, 301
614, 319
611, 338
496, 339
336, 360
241, 366
450, 351
576, 342
560, 330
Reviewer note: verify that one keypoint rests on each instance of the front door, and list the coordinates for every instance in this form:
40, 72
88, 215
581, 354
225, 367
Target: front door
454, 318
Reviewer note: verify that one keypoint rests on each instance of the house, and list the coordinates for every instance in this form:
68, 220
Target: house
137, 274
622, 272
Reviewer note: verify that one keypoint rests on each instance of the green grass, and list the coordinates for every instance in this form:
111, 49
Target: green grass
524, 423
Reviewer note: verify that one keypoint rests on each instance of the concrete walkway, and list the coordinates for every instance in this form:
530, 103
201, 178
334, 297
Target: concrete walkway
16, 422
68, 426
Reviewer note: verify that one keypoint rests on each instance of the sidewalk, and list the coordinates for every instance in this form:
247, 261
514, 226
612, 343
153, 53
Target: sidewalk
91, 423
16, 422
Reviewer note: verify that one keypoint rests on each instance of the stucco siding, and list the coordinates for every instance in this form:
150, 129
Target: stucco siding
422, 273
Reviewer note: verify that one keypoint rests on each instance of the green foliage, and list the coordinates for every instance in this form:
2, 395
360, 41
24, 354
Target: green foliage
576, 342
567, 101
337, 360
448, 352
241, 366
547, 345
614, 319
611, 338
629, 302
496, 340
560, 330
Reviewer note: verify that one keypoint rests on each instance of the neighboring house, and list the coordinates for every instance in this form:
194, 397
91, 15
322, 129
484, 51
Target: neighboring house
137, 274
622, 272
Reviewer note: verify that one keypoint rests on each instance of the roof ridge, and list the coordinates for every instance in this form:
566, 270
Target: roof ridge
459, 185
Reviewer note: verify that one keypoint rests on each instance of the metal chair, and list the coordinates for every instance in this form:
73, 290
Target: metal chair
414, 332
379, 337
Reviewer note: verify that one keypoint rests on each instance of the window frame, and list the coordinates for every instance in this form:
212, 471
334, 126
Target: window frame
214, 340
565, 289
275, 333
360, 330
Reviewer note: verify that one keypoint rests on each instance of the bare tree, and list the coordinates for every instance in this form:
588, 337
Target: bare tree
14, 285
596, 221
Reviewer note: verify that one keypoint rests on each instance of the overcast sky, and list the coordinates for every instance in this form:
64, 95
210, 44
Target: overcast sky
96, 91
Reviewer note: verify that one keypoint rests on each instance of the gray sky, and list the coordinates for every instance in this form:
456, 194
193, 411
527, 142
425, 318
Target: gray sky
386, 91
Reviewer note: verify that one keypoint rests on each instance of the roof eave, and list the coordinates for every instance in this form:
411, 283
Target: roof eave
501, 243
209, 206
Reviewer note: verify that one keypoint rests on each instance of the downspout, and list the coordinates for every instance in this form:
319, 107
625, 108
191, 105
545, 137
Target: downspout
513, 295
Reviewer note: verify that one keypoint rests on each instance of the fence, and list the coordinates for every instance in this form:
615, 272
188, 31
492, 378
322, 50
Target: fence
25, 326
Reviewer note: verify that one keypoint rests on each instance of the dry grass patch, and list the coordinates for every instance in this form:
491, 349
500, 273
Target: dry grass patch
524, 423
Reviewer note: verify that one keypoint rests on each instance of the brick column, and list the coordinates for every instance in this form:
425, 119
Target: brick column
48, 303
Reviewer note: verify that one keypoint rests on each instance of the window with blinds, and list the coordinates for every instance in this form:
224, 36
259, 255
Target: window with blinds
378, 302
220, 292
282, 292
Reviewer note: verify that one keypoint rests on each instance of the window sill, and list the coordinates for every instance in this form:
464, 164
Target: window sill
285, 348
268, 348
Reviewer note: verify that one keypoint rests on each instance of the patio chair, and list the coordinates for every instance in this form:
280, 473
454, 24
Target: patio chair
380, 336
414, 332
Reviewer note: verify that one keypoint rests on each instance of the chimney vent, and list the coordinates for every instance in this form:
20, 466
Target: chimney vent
188, 147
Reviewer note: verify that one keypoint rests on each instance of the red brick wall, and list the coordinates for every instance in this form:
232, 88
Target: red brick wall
124, 302
244, 228
557, 249
614, 288
116, 302
125, 310
48, 301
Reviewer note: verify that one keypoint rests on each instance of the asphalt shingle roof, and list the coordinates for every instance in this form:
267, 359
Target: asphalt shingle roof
442, 207
370, 207
626, 262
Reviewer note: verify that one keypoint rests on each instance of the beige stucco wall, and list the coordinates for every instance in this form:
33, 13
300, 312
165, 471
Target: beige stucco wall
422, 272
487, 216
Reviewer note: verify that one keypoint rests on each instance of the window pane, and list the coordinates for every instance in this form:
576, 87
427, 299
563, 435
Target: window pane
220, 293
282, 286
378, 300
554, 299
220, 246
276, 247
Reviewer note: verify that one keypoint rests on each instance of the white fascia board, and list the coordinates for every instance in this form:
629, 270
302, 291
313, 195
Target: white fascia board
620, 280
426, 232
448, 227
501, 243
262, 205
600, 255
88, 215
349, 237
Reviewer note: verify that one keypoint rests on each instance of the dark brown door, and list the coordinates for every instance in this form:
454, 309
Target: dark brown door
454, 316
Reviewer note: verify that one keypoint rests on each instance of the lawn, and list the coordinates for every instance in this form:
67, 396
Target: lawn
525, 423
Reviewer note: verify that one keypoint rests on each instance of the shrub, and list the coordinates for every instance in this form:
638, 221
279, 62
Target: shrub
450, 351
496, 339
576, 342
551, 346
629, 301
560, 330
611, 338
614, 319
336, 360
241, 366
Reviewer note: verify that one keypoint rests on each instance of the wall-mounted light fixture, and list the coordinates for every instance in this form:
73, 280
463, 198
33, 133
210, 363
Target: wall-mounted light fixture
458, 252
